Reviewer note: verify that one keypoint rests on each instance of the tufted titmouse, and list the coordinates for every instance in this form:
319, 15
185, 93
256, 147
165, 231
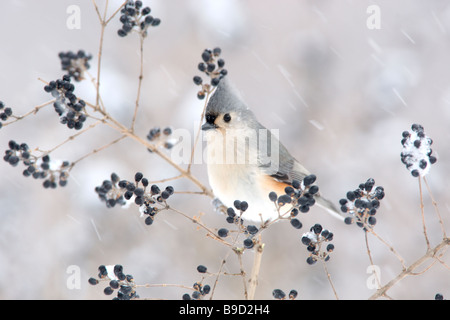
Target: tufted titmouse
245, 160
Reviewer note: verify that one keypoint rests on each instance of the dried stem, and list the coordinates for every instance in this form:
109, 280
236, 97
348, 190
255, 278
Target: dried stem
103, 22
116, 125
370, 259
423, 213
100, 49
211, 233
253, 281
431, 253
164, 285
95, 151
141, 76
402, 261
72, 137
441, 222
329, 279
33, 111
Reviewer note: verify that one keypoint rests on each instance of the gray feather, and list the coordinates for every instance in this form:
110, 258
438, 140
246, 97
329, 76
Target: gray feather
225, 99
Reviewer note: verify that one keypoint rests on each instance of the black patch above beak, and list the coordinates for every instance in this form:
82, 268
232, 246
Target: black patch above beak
209, 124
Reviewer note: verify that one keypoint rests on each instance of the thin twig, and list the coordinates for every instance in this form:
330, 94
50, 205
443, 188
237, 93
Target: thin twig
183, 172
116, 125
329, 279
148, 285
115, 12
72, 137
166, 179
402, 261
190, 192
238, 252
370, 259
100, 49
423, 214
33, 111
431, 253
141, 76
243, 274
253, 281
95, 151
216, 281
210, 233
436, 208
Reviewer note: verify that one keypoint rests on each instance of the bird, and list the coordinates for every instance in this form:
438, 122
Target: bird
247, 162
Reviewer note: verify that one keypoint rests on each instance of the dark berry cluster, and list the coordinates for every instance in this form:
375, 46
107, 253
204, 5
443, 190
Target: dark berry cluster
280, 295
232, 217
300, 195
5, 113
134, 16
162, 137
70, 109
150, 198
54, 173
416, 151
118, 280
200, 290
362, 204
75, 63
314, 241
213, 67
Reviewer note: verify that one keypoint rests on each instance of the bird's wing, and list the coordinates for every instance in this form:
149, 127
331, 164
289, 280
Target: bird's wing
277, 162
285, 168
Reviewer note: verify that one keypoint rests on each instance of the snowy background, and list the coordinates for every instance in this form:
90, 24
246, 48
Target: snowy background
340, 93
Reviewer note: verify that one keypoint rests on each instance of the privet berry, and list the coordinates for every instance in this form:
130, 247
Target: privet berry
53, 173
117, 280
201, 269
5, 113
135, 17
70, 109
199, 292
438, 296
248, 243
280, 295
362, 204
162, 138
296, 223
213, 67
223, 232
293, 294
75, 63
416, 152
149, 199
315, 240
234, 217
300, 195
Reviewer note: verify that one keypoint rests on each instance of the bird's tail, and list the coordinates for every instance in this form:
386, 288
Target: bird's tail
329, 206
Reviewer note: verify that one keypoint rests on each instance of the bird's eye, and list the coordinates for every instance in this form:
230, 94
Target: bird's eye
227, 117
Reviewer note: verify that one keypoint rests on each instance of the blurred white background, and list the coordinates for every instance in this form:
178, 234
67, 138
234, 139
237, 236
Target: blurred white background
339, 92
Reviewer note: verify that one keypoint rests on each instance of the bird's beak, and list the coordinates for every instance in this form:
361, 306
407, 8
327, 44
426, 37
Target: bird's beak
208, 126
